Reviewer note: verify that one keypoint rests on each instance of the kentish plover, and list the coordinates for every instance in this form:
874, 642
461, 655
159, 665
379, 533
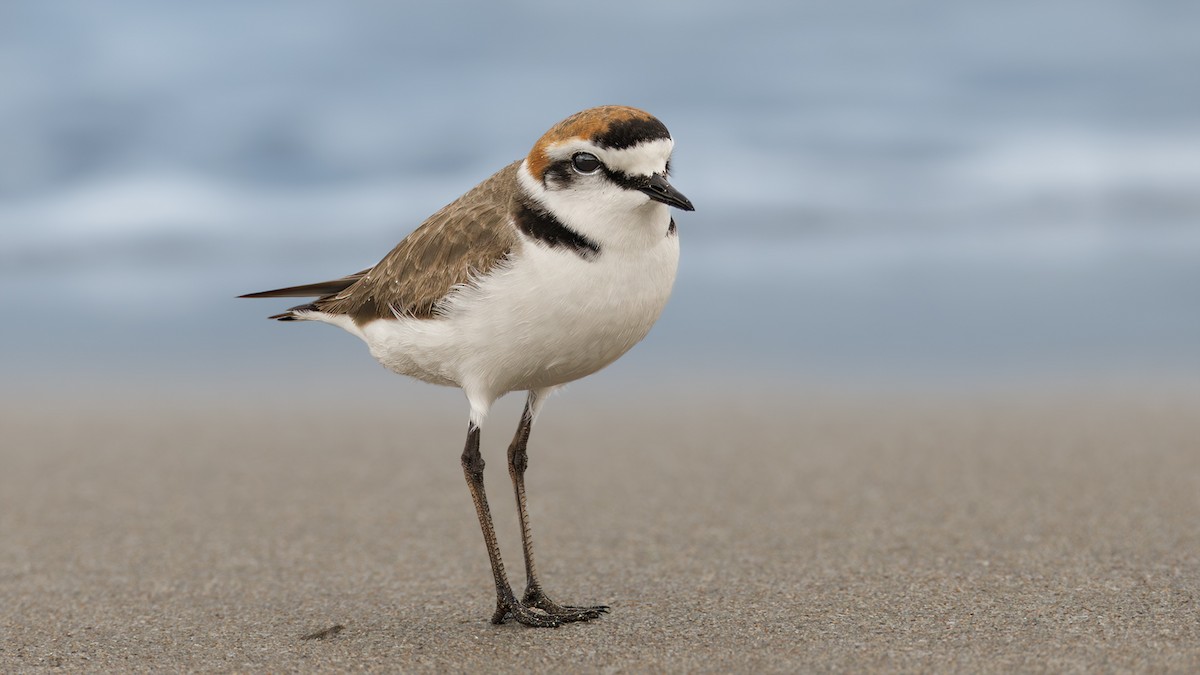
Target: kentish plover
544, 273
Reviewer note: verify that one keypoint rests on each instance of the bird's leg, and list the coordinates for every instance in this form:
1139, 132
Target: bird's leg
506, 603
518, 460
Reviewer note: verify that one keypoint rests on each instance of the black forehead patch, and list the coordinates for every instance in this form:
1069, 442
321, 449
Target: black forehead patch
629, 132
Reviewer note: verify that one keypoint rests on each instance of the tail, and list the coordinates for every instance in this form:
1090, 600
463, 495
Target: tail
322, 289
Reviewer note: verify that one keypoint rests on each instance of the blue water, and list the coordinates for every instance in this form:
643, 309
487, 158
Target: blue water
892, 190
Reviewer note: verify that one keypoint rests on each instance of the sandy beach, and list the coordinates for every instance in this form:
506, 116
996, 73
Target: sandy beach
1007, 532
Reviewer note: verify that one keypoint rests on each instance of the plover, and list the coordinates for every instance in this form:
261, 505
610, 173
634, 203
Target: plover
542, 274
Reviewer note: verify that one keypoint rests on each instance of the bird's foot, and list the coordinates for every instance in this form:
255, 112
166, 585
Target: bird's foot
535, 597
524, 614
542, 612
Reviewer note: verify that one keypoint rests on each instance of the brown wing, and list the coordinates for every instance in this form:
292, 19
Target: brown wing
465, 239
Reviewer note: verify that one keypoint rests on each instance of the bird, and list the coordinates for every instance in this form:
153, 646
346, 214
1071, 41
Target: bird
544, 273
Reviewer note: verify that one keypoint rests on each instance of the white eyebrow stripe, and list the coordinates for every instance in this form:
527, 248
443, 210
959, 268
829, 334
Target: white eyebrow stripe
643, 159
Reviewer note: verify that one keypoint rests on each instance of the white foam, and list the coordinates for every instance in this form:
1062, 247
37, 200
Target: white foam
129, 208
1042, 163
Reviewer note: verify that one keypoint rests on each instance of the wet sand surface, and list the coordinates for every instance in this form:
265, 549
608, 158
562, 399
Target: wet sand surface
1013, 532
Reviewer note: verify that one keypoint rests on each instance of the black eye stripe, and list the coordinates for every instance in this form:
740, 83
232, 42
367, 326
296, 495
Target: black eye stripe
625, 180
560, 174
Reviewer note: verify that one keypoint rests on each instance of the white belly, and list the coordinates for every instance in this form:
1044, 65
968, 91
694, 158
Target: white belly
548, 318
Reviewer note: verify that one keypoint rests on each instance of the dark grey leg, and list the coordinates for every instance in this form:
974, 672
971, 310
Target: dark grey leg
518, 460
506, 602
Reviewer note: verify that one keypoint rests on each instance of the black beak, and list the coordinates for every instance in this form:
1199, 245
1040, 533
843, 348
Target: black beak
660, 190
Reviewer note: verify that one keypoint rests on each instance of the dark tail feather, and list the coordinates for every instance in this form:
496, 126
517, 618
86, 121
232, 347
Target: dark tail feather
310, 290
290, 315
321, 289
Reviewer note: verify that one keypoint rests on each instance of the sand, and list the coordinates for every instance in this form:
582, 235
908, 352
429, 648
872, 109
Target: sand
1008, 532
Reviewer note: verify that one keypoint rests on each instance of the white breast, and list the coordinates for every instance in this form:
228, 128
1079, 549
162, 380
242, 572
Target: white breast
546, 318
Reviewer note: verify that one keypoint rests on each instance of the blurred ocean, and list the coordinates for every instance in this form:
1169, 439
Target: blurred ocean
885, 190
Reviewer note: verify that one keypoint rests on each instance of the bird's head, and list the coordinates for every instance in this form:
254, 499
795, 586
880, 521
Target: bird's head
603, 166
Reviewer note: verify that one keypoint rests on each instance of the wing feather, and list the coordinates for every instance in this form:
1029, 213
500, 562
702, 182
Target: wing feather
463, 241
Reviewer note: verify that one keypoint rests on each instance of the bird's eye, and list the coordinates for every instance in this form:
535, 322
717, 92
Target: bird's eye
585, 162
